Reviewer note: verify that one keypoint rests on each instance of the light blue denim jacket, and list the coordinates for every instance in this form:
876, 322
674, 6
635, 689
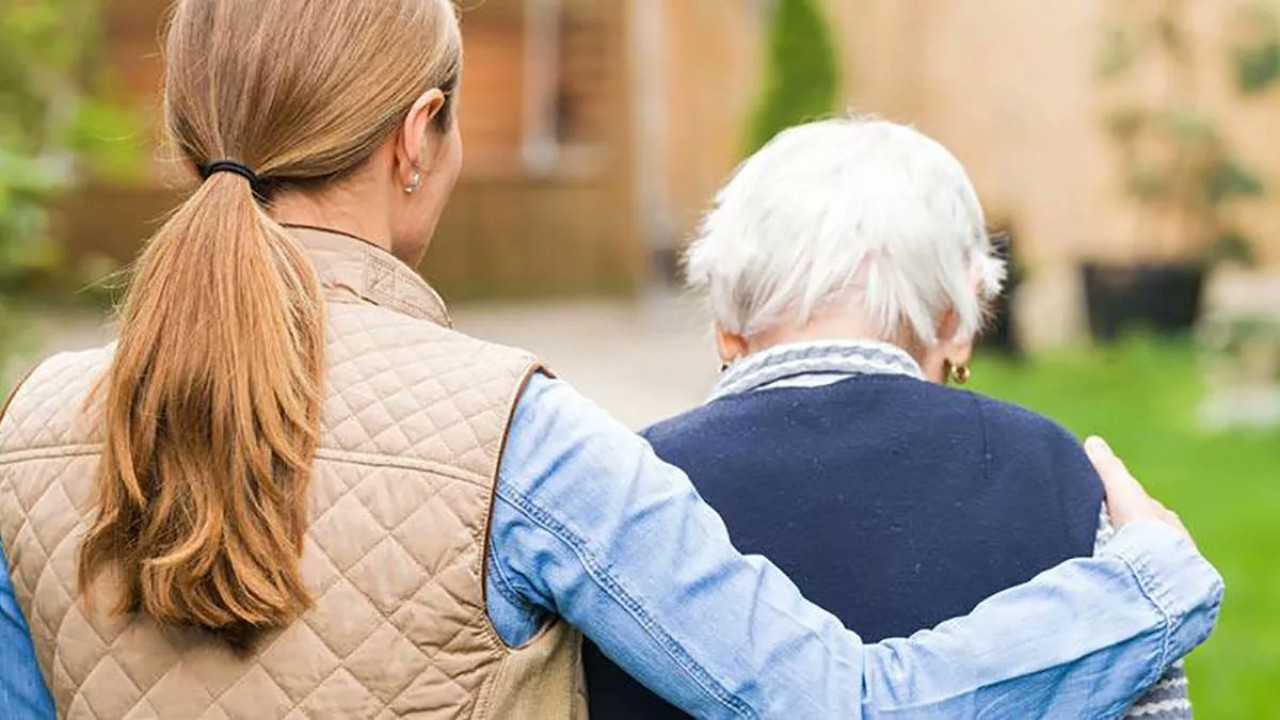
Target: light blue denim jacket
590, 526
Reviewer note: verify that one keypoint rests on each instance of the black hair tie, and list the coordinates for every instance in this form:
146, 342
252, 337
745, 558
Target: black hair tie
231, 166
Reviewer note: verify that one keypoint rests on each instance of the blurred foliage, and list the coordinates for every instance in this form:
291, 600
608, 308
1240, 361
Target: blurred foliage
1257, 58
1119, 52
1231, 246
802, 76
57, 126
1177, 162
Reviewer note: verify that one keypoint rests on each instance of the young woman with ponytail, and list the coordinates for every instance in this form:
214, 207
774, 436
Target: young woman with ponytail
291, 490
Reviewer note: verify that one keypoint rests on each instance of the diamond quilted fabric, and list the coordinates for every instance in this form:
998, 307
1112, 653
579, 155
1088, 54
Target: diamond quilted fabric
414, 420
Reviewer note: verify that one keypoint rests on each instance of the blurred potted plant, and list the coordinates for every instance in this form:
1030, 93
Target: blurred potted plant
1001, 332
802, 77
1178, 167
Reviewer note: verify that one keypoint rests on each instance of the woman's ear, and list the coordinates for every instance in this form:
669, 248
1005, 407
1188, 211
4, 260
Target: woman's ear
960, 353
732, 347
948, 325
948, 352
418, 142
955, 350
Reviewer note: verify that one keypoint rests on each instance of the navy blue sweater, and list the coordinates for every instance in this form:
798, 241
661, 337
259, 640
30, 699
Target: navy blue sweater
891, 502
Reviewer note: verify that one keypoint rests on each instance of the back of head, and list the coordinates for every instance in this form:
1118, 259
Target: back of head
213, 399
840, 211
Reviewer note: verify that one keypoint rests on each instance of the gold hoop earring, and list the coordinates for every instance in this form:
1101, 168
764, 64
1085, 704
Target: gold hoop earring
960, 374
415, 184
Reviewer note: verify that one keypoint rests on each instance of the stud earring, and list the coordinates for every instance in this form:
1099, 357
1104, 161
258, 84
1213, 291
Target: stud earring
960, 374
415, 184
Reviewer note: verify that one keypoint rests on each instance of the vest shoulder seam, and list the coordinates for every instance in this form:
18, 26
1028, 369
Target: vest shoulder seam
399, 462
46, 452
17, 387
340, 456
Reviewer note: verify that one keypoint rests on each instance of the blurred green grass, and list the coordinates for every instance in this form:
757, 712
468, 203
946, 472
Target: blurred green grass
1142, 396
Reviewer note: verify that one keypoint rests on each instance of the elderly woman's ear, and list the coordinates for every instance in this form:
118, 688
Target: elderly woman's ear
732, 347
948, 359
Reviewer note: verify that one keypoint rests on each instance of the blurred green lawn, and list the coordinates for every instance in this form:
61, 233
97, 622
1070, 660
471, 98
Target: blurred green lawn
1142, 397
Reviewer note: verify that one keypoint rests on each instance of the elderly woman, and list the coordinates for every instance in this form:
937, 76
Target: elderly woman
848, 268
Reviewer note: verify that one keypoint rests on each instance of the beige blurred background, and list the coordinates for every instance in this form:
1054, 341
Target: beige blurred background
598, 130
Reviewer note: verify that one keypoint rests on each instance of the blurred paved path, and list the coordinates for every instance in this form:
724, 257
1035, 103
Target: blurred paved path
642, 360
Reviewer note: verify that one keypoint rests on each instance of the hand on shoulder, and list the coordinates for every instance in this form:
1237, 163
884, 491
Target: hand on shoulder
1127, 500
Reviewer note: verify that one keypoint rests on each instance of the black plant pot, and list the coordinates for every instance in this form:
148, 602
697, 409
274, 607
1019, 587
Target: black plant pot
1000, 334
1164, 298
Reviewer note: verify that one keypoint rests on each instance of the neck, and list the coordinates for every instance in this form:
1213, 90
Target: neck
843, 326
823, 327
336, 209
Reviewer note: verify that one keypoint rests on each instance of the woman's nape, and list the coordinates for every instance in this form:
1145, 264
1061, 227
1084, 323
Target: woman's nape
395, 198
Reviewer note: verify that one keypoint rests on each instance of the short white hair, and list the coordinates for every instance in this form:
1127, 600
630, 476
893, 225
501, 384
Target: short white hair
849, 210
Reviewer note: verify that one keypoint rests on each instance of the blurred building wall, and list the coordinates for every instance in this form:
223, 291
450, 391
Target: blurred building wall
712, 69
606, 135
546, 202
1010, 86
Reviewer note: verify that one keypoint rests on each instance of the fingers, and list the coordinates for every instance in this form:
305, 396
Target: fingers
1127, 500
1172, 518
1122, 489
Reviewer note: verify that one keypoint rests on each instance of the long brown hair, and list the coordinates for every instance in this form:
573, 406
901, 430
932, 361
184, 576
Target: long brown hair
213, 400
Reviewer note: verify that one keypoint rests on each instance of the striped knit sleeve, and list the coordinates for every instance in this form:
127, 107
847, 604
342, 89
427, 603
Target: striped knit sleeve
1168, 698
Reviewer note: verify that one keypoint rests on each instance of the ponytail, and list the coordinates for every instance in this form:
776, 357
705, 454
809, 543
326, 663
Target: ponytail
213, 399
211, 421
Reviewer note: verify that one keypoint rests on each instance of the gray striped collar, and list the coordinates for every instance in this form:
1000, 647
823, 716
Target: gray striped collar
812, 364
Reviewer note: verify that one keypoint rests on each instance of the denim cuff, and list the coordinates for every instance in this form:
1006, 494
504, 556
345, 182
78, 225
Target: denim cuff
1185, 588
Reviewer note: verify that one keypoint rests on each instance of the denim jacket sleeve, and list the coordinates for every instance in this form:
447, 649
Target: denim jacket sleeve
23, 694
589, 525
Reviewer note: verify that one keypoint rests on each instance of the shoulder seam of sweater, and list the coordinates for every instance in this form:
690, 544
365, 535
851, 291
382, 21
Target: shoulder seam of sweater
986, 442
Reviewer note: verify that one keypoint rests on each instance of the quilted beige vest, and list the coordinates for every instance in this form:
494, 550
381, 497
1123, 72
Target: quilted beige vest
415, 419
